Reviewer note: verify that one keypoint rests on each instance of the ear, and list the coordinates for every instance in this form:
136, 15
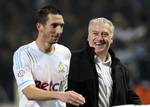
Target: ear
88, 38
39, 26
111, 40
90, 41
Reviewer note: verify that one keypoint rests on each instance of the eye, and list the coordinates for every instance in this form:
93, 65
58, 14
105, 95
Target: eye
105, 34
54, 25
95, 33
61, 25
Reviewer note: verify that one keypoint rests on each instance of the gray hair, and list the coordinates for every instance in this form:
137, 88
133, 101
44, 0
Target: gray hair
102, 20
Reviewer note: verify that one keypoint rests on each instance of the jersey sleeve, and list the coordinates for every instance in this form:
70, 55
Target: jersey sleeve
22, 69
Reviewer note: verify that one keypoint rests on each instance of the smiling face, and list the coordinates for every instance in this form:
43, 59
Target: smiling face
100, 36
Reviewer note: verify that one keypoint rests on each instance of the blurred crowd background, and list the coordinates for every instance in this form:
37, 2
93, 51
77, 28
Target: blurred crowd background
131, 39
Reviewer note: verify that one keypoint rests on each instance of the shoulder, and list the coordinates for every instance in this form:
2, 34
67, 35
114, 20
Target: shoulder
23, 49
120, 69
61, 48
80, 54
62, 51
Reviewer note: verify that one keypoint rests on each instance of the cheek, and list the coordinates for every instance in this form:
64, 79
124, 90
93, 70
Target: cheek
91, 40
49, 30
109, 40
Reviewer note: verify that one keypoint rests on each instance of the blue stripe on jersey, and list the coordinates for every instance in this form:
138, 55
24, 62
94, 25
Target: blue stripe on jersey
17, 57
31, 56
34, 55
24, 82
17, 60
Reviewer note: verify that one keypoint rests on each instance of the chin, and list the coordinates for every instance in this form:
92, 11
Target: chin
99, 50
53, 42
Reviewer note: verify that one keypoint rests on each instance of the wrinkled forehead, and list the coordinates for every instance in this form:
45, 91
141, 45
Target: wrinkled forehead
100, 27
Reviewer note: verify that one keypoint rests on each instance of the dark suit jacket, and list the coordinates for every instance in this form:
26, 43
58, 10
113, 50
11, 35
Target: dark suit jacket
83, 78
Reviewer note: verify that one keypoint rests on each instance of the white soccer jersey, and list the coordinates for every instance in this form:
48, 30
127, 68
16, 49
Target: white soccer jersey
46, 71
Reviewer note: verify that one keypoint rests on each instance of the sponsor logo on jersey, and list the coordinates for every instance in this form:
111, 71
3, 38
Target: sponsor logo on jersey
48, 85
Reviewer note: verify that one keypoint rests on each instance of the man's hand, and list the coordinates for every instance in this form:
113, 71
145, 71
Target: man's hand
72, 97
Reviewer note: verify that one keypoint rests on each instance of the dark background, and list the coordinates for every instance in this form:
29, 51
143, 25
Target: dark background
131, 39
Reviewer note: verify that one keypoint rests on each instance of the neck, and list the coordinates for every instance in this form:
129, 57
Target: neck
103, 57
44, 46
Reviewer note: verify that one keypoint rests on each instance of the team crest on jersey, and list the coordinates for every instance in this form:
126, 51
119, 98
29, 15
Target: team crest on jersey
61, 67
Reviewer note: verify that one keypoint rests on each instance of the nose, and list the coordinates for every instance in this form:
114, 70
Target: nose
100, 37
59, 29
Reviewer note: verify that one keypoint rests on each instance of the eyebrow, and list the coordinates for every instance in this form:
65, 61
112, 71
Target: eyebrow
57, 24
100, 32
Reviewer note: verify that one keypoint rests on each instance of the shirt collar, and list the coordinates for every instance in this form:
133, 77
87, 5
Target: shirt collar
108, 62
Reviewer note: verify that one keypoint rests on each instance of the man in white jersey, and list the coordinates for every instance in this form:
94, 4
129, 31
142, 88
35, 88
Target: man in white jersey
41, 67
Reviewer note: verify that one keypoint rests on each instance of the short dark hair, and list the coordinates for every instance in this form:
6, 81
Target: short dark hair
42, 14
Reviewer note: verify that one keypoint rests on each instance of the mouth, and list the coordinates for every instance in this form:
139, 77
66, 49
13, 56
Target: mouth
55, 40
99, 43
56, 37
